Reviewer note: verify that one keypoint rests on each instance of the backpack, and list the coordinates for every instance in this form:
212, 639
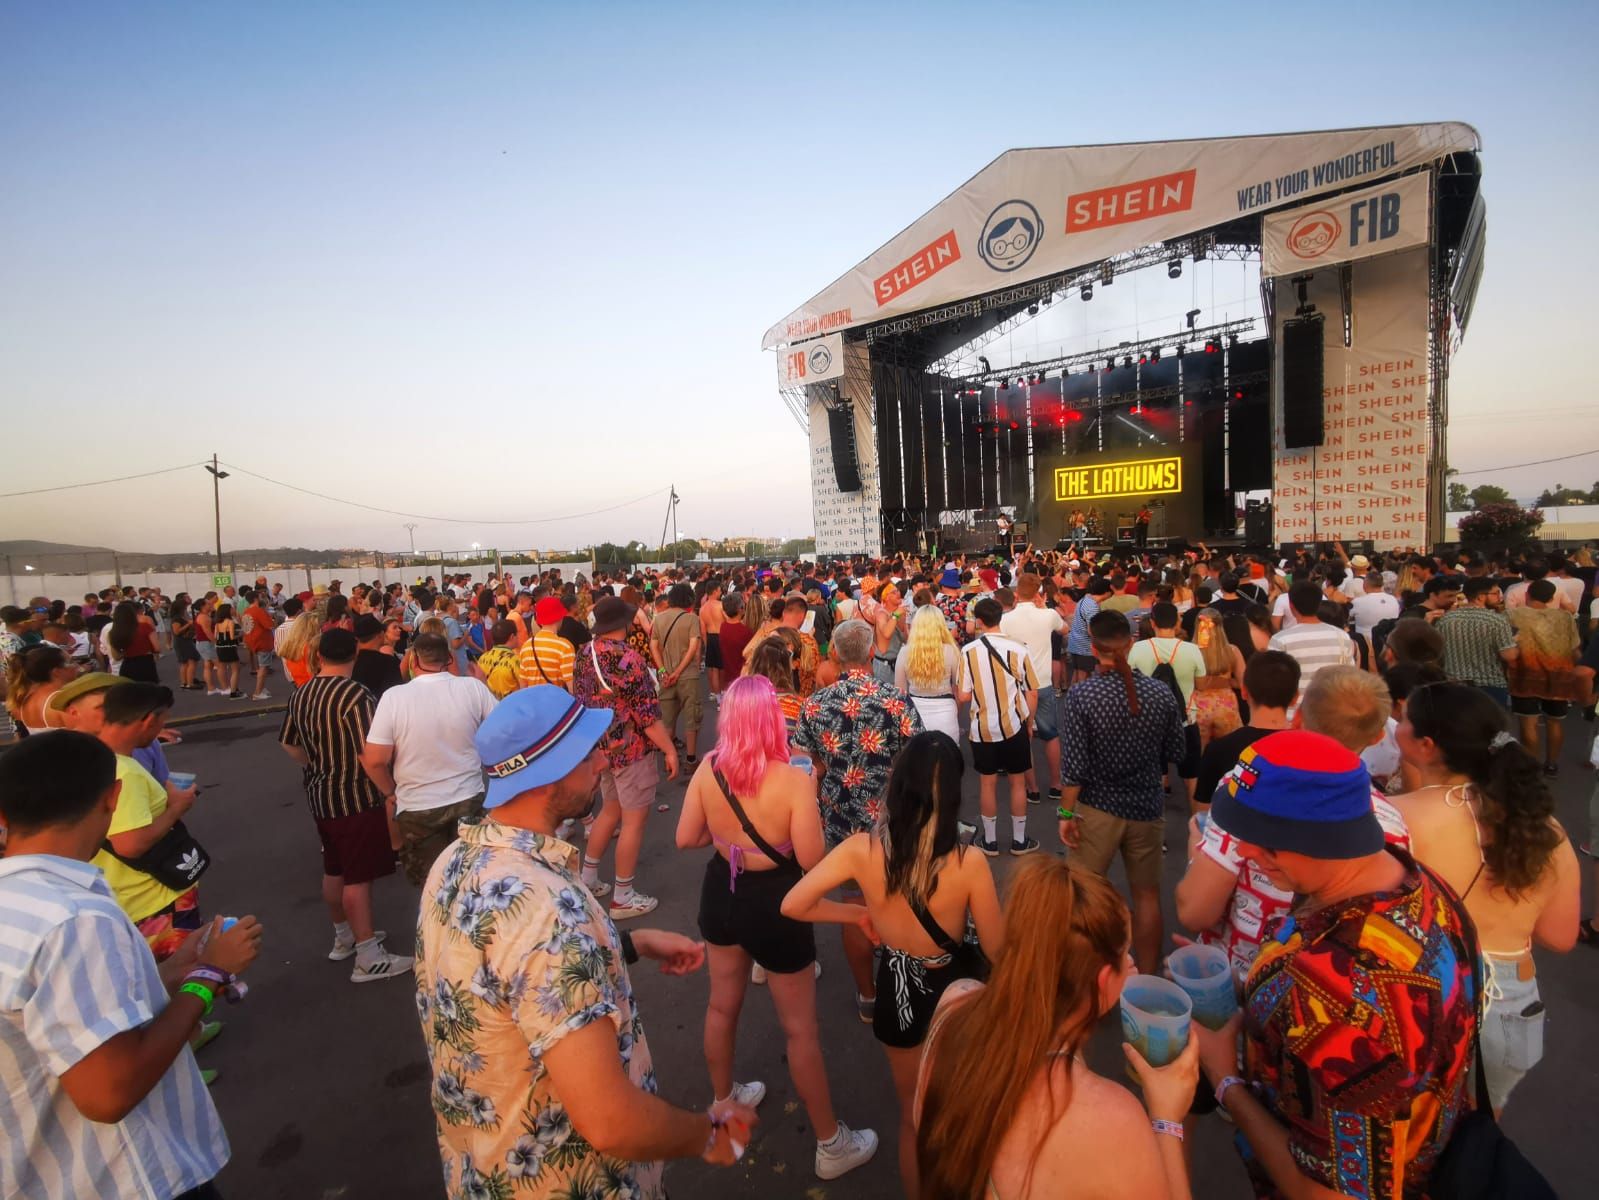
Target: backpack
1164, 673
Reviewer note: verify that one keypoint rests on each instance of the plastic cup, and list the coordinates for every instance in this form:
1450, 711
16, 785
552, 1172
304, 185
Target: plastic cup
803, 762
1155, 1015
1206, 975
182, 780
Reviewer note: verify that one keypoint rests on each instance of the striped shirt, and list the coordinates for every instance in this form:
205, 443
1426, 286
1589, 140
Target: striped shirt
1314, 645
74, 973
1000, 682
546, 658
328, 719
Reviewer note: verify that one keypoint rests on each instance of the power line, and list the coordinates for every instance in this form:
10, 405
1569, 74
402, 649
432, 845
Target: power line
64, 487
441, 520
1541, 462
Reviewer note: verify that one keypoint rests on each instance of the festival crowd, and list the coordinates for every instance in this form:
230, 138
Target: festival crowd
1364, 746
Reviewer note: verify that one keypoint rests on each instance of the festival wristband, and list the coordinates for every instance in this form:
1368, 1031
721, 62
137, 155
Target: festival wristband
205, 974
1221, 1089
629, 950
1174, 1128
1065, 814
202, 992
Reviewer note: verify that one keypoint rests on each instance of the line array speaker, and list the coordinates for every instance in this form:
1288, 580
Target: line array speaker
1302, 382
841, 432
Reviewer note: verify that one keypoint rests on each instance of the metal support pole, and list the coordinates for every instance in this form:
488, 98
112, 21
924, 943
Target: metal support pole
216, 505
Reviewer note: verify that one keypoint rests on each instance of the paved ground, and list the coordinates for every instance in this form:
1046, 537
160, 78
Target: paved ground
324, 1085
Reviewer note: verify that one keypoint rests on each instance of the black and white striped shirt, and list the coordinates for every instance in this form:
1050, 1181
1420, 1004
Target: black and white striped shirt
328, 719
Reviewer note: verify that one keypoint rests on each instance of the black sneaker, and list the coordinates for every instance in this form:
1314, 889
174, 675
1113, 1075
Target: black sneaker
1026, 846
1055, 797
1035, 797
989, 848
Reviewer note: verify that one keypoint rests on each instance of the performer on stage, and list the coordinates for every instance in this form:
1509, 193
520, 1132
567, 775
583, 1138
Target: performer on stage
1141, 526
1079, 531
1005, 526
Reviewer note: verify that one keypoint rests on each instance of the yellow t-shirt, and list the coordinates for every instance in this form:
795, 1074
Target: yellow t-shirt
499, 667
140, 802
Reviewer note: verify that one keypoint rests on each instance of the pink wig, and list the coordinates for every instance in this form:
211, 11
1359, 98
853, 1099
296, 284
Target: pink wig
750, 734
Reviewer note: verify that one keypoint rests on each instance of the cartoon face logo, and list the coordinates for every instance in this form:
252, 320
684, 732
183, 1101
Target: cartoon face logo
819, 359
1010, 235
1314, 234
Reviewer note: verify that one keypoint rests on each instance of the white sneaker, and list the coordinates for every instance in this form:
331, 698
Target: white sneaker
636, 905
748, 1094
387, 967
261, 696
598, 889
855, 1147
343, 949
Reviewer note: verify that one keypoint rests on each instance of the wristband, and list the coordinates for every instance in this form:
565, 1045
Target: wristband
1221, 1089
204, 974
629, 950
1174, 1128
201, 991
1065, 814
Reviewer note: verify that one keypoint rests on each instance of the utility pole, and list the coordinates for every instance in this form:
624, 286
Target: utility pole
410, 527
217, 476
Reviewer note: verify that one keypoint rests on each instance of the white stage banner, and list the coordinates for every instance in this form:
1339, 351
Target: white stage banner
1369, 477
817, 361
847, 522
1033, 213
1379, 220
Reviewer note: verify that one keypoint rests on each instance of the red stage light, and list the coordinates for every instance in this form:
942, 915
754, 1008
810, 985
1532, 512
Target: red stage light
1211, 347
1014, 425
1239, 394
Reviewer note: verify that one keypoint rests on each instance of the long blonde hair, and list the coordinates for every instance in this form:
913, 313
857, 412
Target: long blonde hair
924, 659
1212, 641
300, 639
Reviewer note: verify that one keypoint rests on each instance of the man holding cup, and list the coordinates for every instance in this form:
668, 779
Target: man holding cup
1356, 1030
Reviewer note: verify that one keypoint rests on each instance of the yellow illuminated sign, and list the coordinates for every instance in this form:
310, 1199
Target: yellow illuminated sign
1102, 481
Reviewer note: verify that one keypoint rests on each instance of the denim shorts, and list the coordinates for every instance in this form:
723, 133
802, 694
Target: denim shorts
1046, 721
1512, 1036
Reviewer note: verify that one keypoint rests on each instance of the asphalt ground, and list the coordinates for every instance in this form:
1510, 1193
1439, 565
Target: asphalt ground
324, 1085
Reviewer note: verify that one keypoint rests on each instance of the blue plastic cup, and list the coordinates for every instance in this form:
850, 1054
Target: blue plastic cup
1155, 1015
1206, 975
182, 780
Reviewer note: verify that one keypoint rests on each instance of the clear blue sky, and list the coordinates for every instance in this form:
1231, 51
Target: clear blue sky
514, 260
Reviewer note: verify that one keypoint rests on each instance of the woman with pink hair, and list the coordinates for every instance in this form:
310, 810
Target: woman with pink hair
761, 815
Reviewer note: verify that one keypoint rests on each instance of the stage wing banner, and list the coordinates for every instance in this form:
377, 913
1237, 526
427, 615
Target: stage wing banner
847, 522
1369, 477
1380, 220
816, 361
1032, 213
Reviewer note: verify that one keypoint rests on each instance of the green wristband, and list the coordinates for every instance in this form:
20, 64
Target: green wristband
203, 992
1065, 814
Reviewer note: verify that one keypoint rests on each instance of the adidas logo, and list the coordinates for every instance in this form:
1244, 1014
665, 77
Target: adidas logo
190, 863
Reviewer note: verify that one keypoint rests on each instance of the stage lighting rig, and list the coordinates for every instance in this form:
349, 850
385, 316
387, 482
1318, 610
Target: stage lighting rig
1107, 273
1086, 291
987, 370
1032, 310
1192, 315
1174, 269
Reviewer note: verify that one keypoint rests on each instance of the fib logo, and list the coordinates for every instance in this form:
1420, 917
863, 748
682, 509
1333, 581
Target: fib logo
1010, 235
819, 360
1314, 234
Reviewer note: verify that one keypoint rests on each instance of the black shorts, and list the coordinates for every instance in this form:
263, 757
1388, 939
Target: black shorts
1014, 754
1531, 706
1189, 767
1083, 662
713, 651
908, 990
183, 647
748, 914
228, 654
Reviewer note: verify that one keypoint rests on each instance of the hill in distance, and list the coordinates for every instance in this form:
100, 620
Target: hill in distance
63, 558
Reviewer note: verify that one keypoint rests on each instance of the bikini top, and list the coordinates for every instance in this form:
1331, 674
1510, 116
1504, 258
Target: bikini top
782, 855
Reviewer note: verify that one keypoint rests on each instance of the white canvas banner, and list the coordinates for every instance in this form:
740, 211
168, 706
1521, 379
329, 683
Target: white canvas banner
1379, 220
817, 361
847, 522
1369, 477
1032, 213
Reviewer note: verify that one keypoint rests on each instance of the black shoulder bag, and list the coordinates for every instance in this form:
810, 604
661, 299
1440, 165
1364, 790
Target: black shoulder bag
966, 955
176, 861
1480, 1162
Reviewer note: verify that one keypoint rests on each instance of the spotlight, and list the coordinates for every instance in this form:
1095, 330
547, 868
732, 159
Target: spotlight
1004, 384
1232, 339
1127, 360
1086, 291
1143, 360
986, 368
1210, 346
1192, 315
1174, 269
1154, 355
1238, 393
1107, 273
1110, 365
1032, 310
1181, 349
1014, 425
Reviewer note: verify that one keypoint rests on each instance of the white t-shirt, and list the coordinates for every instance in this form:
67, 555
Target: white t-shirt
1382, 759
431, 722
1186, 659
1031, 625
1285, 612
1370, 608
1353, 586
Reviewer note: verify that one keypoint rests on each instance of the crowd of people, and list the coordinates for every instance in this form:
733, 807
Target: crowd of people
1370, 839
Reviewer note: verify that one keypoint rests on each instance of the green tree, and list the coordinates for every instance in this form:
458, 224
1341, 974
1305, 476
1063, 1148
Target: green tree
1459, 497
754, 550
1500, 526
797, 548
1489, 493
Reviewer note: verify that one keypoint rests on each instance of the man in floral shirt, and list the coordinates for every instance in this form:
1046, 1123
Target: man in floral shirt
954, 606
610, 674
542, 1081
852, 730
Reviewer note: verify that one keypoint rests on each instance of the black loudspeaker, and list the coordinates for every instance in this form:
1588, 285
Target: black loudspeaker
1302, 382
841, 432
1257, 523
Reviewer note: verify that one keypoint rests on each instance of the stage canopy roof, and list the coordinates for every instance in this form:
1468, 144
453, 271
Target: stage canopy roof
1036, 213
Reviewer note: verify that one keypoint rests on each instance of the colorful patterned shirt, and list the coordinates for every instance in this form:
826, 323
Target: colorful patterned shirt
956, 613
513, 953
852, 730
610, 674
1473, 638
1358, 1028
